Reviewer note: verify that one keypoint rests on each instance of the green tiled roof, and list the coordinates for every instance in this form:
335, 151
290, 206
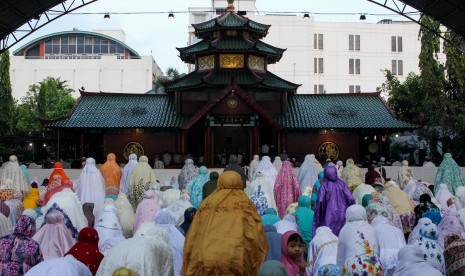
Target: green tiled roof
122, 111
232, 43
273, 81
196, 48
231, 20
340, 111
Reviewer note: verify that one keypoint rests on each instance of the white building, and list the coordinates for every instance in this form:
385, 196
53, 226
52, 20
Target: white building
331, 57
96, 61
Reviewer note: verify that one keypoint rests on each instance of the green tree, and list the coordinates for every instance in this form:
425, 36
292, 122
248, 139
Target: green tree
6, 98
171, 75
26, 117
54, 99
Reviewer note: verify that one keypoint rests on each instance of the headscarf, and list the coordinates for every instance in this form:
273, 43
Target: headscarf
351, 175
111, 173
68, 266
210, 186
253, 167
195, 186
268, 170
25, 173
189, 214
362, 190
272, 268
358, 247
166, 220
415, 234
30, 201
412, 263
125, 214
291, 265
333, 199
180, 206
372, 176
449, 173
233, 166
146, 210
304, 217
88, 210
316, 189
274, 243
127, 171
270, 217
266, 187
403, 175
286, 189
58, 170
322, 250
170, 196
86, 249
56, 185
401, 202
428, 242
18, 251
455, 247
391, 239
227, 212
449, 225
13, 172
377, 208
187, 173
54, 238
278, 163
415, 189
108, 226
288, 223
424, 206
443, 195
90, 186
308, 172
141, 179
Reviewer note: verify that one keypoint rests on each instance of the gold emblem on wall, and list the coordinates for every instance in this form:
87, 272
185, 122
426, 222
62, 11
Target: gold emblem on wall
133, 147
207, 62
232, 102
328, 149
231, 61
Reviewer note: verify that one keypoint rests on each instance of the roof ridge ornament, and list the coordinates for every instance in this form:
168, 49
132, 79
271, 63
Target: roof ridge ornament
230, 6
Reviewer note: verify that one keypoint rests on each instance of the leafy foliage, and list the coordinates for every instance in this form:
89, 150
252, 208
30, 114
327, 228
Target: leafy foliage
171, 75
6, 98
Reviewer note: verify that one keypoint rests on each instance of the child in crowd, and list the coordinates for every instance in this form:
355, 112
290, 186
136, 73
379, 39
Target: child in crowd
292, 249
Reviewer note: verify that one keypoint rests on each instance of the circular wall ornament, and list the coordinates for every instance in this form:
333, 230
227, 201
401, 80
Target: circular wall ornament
373, 148
133, 147
328, 150
232, 102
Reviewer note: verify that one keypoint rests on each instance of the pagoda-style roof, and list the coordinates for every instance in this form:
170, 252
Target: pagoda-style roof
117, 110
341, 111
231, 44
245, 78
230, 21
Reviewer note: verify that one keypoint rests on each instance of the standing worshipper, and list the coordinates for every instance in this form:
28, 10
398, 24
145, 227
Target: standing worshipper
195, 186
316, 189
88, 210
333, 199
233, 166
274, 243
453, 255
292, 250
18, 251
108, 228
402, 204
340, 168
58, 170
86, 249
253, 167
127, 171
268, 170
351, 175
412, 263
404, 173
90, 187
13, 172
202, 253
189, 214
450, 174
322, 250
146, 210
308, 172
286, 188
278, 163
187, 173
210, 186
112, 175
141, 179
25, 173
288, 223
265, 186
429, 245
304, 216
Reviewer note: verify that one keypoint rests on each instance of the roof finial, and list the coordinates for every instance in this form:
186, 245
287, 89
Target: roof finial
230, 6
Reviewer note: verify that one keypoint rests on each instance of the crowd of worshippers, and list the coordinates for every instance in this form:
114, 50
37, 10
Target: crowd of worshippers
273, 220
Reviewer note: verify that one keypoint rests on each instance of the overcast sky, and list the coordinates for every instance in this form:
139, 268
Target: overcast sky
156, 35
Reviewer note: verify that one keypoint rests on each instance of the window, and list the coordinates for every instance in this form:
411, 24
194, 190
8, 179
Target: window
318, 65
354, 42
318, 89
396, 44
318, 41
397, 67
354, 66
354, 89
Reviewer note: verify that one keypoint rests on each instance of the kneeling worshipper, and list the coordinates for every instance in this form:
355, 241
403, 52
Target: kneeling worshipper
111, 173
288, 223
13, 171
30, 201
166, 220
450, 174
333, 199
170, 195
146, 210
292, 254
64, 266
187, 173
18, 251
308, 172
127, 171
55, 186
361, 191
58, 170
426, 205
86, 249
459, 201
391, 239
358, 248
454, 255
372, 176
443, 195
322, 250
274, 243
189, 214
54, 238
15, 204
270, 217
109, 229
266, 187
195, 186
179, 207
352, 175
304, 217
125, 214
429, 245
286, 189
227, 212
415, 234
415, 190
90, 187
147, 254
412, 263
141, 179
450, 224
210, 186
401, 202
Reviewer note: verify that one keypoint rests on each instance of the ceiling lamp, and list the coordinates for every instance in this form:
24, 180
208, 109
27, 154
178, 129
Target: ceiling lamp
306, 16
363, 17
106, 16
170, 15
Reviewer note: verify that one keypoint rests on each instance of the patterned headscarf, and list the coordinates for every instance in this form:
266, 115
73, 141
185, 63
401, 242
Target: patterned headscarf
86, 249
455, 261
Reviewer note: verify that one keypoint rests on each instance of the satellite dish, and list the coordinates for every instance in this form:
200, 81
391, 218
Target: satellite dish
373, 148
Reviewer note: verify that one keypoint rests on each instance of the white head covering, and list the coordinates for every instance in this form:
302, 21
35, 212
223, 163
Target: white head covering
166, 220
415, 234
278, 163
108, 225
180, 206
360, 191
65, 266
30, 213
443, 195
125, 214
253, 167
266, 187
339, 167
266, 167
127, 171
411, 263
429, 245
288, 223
68, 201
12, 171
391, 240
322, 250
308, 172
170, 196
90, 186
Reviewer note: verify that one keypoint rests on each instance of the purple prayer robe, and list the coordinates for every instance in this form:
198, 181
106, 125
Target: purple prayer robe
333, 199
